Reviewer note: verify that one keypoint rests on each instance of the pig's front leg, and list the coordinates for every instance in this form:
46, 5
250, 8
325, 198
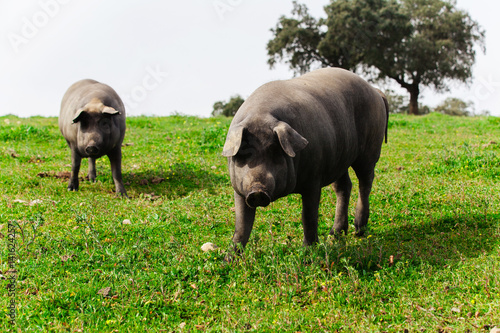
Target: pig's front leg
310, 206
115, 158
76, 160
245, 217
92, 172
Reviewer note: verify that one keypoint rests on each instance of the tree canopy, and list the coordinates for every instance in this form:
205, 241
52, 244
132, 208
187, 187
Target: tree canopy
455, 107
414, 42
228, 109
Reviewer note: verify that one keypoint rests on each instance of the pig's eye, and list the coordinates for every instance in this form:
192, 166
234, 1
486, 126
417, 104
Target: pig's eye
84, 123
244, 153
277, 153
104, 122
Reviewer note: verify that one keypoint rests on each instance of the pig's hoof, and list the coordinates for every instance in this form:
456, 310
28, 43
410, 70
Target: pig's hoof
234, 254
122, 195
310, 242
360, 232
72, 188
337, 234
231, 257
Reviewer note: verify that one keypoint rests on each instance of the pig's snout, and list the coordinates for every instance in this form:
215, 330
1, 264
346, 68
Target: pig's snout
258, 198
92, 150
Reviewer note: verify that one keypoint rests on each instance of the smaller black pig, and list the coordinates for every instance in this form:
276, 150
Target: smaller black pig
92, 120
299, 135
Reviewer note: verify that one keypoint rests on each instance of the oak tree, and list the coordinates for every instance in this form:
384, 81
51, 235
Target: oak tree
414, 42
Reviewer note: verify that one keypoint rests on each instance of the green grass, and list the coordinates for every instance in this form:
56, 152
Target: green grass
430, 261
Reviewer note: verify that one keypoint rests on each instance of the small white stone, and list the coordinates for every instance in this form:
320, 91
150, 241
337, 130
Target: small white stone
35, 202
19, 201
208, 247
126, 221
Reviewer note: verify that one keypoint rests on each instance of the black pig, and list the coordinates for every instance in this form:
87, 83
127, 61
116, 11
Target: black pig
299, 135
92, 120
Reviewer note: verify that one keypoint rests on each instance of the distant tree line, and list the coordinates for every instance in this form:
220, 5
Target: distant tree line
397, 104
229, 108
451, 106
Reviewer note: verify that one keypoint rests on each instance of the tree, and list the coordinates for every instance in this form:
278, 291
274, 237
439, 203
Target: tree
454, 107
397, 103
228, 109
414, 42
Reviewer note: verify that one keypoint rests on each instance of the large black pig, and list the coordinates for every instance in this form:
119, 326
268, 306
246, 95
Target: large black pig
92, 120
299, 135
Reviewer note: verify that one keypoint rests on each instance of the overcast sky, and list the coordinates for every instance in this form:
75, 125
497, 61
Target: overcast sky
173, 56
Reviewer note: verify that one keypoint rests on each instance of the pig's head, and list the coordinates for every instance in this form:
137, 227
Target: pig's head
97, 130
260, 160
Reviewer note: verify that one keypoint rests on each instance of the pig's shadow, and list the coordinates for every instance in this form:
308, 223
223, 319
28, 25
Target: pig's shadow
439, 243
179, 181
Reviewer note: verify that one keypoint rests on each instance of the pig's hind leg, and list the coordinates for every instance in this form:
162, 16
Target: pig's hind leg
342, 188
115, 158
365, 175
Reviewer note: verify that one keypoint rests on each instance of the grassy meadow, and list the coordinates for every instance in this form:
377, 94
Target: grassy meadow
89, 262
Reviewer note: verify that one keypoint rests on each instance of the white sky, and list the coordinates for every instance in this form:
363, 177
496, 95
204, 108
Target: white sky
172, 56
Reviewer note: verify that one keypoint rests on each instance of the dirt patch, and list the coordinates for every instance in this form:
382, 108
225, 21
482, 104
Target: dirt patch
53, 174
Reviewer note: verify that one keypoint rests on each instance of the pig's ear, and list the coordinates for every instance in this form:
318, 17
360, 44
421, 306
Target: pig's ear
233, 141
79, 115
290, 140
109, 110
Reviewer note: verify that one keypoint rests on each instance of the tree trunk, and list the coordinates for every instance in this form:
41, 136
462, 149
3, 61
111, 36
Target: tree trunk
414, 92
